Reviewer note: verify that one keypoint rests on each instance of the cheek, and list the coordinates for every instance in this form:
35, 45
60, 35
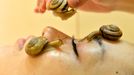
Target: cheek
89, 54
57, 63
52, 63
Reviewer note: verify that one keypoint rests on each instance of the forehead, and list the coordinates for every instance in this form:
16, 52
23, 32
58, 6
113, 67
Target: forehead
119, 52
117, 59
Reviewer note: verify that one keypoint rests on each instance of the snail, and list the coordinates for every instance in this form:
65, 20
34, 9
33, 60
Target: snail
35, 45
109, 32
61, 9
38, 44
58, 5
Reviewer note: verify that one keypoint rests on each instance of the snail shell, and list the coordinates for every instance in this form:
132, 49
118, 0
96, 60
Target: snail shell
58, 5
110, 32
61, 9
55, 4
35, 45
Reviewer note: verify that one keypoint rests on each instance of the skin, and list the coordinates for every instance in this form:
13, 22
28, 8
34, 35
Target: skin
111, 58
103, 5
93, 5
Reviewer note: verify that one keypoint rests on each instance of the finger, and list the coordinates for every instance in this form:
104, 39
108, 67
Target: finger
41, 6
73, 3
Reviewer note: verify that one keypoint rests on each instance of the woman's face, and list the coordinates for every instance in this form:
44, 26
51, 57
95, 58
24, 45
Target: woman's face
97, 57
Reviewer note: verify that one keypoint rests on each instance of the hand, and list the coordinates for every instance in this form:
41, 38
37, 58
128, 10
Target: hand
41, 6
86, 5
93, 5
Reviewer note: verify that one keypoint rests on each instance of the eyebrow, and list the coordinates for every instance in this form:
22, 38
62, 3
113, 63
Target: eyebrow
74, 47
99, 40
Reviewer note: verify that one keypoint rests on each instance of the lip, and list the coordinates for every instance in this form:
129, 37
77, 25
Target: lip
21, 41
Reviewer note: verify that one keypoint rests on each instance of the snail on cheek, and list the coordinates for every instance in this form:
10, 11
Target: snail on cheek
38, 45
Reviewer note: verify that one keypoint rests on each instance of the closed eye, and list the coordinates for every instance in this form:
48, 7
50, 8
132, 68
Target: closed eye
74, 47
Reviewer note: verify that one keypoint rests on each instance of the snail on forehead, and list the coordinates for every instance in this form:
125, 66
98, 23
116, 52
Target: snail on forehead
109, 32
61, 9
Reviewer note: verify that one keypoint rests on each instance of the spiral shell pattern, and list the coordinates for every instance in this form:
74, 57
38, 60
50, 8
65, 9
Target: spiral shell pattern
110, 32
58, 5
55, 4
35, 46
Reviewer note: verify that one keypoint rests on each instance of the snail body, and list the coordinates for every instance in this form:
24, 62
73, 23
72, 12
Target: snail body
92, 35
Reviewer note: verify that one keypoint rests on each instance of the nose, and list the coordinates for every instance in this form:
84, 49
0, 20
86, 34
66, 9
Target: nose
53, 34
